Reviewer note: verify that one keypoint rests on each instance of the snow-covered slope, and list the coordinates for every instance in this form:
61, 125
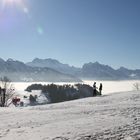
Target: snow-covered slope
110, 117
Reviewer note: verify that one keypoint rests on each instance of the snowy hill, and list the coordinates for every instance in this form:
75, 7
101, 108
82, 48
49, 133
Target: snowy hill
111, 117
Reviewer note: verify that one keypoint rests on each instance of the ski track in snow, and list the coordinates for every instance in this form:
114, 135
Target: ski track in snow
110, 117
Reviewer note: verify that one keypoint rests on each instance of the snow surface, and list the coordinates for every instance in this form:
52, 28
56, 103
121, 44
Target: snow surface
109, 117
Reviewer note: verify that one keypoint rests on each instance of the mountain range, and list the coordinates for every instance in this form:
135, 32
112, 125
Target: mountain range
18, 71
52, 70
88, 70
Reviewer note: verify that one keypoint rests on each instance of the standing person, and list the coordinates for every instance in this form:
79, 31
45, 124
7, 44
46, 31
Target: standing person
100, 88
94, 89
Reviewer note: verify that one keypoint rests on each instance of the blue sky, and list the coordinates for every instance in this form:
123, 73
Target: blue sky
72, 31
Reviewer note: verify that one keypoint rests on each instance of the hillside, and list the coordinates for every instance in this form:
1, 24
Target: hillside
111, 117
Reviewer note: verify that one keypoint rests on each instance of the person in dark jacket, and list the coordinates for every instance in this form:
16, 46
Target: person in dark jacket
94, 89
100, 88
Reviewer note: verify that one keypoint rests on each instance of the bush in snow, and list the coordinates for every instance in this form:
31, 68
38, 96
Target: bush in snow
136, 86
32, 99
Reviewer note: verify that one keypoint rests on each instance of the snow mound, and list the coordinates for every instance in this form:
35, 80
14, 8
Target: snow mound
110, 117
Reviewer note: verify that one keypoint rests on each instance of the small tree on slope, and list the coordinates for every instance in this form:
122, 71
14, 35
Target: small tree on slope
136, 86
6, 91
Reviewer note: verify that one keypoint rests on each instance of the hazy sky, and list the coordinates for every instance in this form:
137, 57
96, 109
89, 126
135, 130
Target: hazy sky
71, 31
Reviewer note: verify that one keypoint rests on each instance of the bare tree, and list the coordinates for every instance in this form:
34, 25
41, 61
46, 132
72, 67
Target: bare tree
136, 86
6, 90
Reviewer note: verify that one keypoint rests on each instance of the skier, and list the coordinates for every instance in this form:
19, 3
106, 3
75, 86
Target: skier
100, 88
94, 89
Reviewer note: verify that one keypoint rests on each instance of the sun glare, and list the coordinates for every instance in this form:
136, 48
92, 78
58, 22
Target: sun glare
20, 4
12, 2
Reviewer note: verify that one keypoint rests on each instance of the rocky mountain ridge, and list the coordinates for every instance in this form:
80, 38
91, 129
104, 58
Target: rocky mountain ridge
88, 70
18, 71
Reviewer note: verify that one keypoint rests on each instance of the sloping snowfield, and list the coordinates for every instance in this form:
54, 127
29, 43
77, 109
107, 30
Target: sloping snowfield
109, 117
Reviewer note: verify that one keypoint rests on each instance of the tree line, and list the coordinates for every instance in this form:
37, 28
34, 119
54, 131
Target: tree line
61, 93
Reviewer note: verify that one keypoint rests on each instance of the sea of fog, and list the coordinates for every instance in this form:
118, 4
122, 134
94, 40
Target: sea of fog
108, 86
